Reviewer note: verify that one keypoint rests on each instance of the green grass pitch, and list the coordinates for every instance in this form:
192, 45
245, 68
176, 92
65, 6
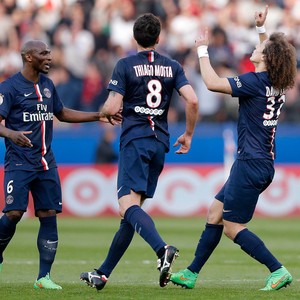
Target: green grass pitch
83, 244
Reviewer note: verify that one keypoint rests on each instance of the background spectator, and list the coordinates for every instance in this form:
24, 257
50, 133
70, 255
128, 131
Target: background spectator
88, 37
105, 152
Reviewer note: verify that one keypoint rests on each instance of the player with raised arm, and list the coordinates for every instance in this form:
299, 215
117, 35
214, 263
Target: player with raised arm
142, 85
261, 97
28, 104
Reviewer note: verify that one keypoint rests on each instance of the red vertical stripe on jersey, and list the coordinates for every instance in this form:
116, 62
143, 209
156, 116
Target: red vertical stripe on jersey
152, 124
272, 143
43, 130
151, 56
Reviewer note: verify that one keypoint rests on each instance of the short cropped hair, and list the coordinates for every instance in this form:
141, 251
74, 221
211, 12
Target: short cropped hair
146, 30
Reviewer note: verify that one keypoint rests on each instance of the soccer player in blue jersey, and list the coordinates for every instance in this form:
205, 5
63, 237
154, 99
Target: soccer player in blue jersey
261, 96
28, 104
142, 85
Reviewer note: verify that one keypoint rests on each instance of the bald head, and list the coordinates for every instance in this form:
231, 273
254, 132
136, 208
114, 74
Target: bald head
31, 46
36, 56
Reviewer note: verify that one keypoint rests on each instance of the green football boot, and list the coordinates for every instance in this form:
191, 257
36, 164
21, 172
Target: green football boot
278, 279
46, 283
185, 278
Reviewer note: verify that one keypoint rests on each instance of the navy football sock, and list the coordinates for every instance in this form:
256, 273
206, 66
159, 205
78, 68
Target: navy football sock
7, 231
119, 245
144, 226
209, 240
254, 246
47, 242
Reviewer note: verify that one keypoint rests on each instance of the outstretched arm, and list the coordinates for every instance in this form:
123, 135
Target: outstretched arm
211, 79
75, 116
260, 18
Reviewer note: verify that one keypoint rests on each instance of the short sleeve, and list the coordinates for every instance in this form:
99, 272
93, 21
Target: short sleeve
6, 99
117, 82
245, 85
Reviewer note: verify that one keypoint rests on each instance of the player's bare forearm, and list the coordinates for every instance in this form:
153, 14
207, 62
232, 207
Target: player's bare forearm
113, 104
5, 132
75, 116
211, 79
191, 108
192, 114
18, 137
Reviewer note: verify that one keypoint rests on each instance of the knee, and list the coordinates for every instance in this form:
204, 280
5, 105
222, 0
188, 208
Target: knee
228, 232
214, 217
15, 215
122, 212
215, 213
126, 202
123, 207
45, 213
232, 229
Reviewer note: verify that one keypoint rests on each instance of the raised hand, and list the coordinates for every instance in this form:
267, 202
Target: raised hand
260, 17
202, 40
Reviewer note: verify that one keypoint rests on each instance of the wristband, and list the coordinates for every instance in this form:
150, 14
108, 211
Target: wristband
261, 29
202, 51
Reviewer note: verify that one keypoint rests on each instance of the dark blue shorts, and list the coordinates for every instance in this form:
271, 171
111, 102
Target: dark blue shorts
247, 180
44, 186
140, 164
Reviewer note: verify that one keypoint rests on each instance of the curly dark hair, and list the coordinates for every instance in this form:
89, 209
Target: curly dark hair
146, 30
280, 60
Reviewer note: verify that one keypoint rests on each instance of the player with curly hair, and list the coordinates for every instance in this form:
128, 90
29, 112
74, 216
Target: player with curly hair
261, 97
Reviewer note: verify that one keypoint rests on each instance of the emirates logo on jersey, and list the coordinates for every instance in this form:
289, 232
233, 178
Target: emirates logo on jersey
47, 93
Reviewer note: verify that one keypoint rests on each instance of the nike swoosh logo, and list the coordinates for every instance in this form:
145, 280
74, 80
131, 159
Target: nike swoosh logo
119, 189
226, 211
274, 285
26, 95
183, 278
59, 203
51, 242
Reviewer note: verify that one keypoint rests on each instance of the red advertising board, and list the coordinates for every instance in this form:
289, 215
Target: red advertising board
183, 190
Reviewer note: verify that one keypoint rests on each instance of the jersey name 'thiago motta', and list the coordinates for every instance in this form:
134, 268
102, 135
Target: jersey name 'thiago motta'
146, 81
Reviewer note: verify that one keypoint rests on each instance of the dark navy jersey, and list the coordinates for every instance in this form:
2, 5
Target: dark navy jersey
26, 106
259, 109
146, 81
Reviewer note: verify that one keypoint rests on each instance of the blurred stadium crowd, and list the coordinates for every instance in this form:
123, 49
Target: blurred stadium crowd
88, 37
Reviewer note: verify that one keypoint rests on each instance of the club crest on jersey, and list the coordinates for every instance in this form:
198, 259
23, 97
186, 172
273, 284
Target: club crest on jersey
1, 98
47, 93
9, 199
